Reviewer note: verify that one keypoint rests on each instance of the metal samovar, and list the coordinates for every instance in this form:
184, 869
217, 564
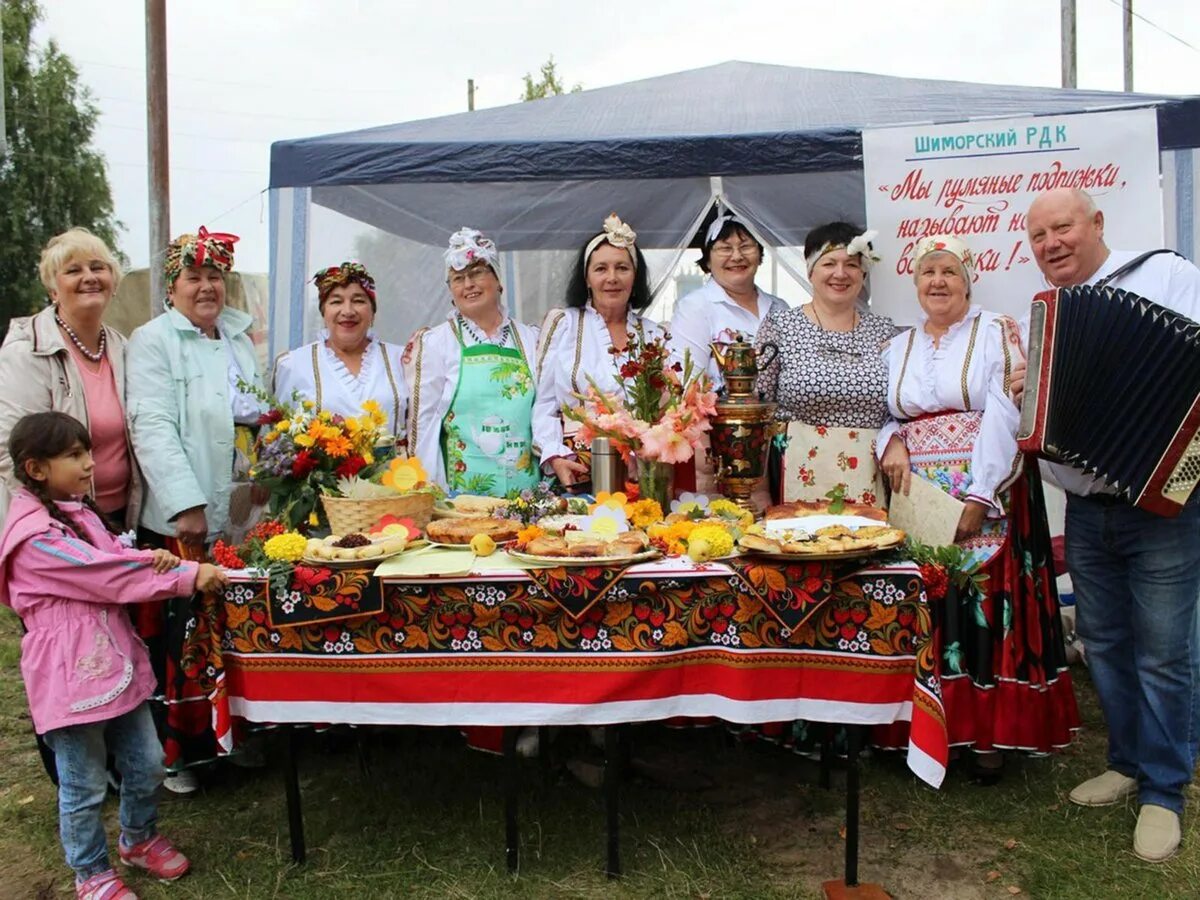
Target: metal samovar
743, 426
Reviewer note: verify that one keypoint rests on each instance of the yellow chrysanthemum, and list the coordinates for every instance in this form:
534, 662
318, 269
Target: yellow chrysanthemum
643, 512
304, 440
308, 404
284, 426
270, 437
727, 509
716, 540
352, 426
288, 546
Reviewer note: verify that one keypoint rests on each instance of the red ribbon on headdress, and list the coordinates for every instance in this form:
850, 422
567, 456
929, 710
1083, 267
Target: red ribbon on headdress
218, 238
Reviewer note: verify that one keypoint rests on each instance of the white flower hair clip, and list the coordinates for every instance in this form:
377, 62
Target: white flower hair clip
468, 246
616, 233
862, 247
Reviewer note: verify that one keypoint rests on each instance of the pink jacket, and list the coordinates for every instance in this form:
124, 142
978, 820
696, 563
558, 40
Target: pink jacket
81, 659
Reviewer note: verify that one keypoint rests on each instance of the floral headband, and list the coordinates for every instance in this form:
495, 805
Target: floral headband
860, 246
468, 246
616, 233
946, 243
339, 276
205, 248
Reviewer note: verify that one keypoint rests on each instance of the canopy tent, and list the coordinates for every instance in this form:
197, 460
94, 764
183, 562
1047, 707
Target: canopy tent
779, 145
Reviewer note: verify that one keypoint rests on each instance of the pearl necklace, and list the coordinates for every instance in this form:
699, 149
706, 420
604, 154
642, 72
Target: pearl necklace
94, 357
501, 339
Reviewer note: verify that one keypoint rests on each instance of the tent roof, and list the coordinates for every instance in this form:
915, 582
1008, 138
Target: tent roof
727, 119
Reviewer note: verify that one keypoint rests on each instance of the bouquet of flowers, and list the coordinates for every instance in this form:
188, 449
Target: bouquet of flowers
303, 453
659, 412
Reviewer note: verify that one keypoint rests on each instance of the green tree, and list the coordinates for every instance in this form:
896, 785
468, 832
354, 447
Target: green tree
550, 84
50, 178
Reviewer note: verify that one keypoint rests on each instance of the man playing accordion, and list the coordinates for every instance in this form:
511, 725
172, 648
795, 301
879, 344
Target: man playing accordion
1136, 575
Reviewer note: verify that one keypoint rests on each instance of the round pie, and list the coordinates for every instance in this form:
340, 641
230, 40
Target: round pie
460, 531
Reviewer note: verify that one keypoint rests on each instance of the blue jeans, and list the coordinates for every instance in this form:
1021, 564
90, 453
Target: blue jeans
1137, 588
80, 752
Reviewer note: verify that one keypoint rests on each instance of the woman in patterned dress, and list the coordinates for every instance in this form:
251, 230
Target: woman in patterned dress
828, 376
347, 366
1005, 682
472, 382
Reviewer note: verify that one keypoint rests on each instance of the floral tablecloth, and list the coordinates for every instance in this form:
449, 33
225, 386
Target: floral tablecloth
668, 638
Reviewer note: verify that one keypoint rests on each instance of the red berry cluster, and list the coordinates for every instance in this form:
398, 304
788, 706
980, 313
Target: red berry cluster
226, 556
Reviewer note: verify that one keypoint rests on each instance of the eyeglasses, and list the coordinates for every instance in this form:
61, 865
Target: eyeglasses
723, 250
475, 273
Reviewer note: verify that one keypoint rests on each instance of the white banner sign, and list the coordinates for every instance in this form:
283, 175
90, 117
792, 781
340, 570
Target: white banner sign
977, 180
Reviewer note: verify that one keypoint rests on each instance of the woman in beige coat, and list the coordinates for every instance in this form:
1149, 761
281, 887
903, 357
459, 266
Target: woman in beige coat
65, 359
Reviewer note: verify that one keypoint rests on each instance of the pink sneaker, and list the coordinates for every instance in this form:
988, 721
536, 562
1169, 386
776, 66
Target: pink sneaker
158, 856
105, 886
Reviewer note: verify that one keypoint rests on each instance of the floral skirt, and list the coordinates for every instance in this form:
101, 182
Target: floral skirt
1005, 682
182, 711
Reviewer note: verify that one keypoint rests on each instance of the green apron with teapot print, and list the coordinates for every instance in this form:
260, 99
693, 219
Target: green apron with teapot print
487, 436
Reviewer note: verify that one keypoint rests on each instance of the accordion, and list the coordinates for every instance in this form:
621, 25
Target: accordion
1113, 387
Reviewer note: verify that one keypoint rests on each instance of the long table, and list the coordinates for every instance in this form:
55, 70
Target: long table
668, 638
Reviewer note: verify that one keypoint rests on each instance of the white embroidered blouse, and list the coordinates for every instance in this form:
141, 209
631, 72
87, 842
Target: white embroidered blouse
967, 370
574, 344
316, 373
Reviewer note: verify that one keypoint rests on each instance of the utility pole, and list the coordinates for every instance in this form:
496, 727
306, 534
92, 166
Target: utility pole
1068, 43
156, 145
1127, 24
470, 95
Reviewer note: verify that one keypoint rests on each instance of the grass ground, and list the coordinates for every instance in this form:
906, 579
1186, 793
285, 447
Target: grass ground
428, 823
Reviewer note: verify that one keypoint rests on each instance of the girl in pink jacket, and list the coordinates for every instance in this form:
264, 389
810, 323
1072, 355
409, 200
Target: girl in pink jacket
87, 674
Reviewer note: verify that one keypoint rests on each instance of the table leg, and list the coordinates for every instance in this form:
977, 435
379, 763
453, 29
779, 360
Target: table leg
612, 796
291, 784
511, 837
853, 745
849, 888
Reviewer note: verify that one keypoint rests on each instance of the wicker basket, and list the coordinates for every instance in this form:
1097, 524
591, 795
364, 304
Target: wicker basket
356, 516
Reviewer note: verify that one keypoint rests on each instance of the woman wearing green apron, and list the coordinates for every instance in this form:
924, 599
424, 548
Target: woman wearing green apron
470, 419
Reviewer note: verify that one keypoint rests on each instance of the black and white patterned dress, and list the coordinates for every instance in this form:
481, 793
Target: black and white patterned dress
833, 378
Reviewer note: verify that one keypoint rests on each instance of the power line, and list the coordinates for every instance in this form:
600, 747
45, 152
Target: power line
1171, 35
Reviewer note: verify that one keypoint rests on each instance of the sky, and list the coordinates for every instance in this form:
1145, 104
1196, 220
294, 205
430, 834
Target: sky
245, 73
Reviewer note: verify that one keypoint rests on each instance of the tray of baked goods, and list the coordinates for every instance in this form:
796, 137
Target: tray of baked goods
457, 532
578, 548
347, 550
809, 531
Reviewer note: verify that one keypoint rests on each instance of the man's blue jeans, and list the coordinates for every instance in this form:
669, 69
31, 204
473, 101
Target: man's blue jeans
80, 752
1137, 588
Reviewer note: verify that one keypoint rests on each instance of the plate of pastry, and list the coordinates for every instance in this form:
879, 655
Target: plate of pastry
840, 540
351, 550
458, 532
577, 548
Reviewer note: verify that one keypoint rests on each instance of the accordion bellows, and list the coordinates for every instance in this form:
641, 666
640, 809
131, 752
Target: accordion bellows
1113, 387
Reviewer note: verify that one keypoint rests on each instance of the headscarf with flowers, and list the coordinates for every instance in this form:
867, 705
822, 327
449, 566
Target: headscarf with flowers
616, 233
469, 246
859, 246
205, 248
340, 276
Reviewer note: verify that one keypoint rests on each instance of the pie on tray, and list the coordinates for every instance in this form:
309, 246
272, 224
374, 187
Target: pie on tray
827, 541
461, 530
578, 545
798, 508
